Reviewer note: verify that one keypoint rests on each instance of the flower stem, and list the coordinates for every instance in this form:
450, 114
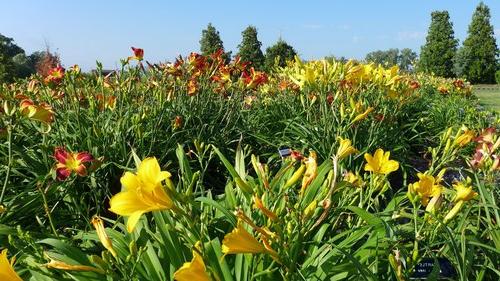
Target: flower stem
9, 164
47, 210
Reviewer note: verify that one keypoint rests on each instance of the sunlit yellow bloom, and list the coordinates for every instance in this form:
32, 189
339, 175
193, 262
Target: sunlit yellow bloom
362, 115
379, 163
354, 179
260, 205
143, 192
464, 191
7, 272
426, 187
240, 241
311, 171
101, 233
464, 138
64, 266
345, 149
192, 271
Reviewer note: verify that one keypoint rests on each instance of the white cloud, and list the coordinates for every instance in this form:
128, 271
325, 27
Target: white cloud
410, 35
356, 39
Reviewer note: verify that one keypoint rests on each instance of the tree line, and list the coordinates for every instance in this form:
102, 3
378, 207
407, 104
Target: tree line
476, 60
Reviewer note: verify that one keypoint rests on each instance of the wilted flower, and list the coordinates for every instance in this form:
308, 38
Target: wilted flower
260, 205
311, 171
379, 163
354, 179
143, 192
103, 236
69, 162
7, 272
177, 123
42, 112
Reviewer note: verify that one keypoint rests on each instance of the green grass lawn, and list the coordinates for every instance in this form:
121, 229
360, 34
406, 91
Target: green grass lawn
489, 96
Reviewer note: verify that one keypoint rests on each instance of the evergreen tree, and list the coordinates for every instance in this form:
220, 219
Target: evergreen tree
437, 54
249, 49
280, 52
210, 42
477, 59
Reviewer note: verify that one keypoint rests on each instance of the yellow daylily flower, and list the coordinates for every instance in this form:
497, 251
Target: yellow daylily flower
311, 171
379, 163
466, 137
101, 233
464, 194
64, 266
345, 149
363, 115
354, 179
144, 192
193, 270
427, 187
464, 191
7, 272
240, 241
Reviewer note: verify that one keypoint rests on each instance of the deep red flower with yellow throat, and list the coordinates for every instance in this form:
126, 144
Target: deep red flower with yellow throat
69, 162
138, 54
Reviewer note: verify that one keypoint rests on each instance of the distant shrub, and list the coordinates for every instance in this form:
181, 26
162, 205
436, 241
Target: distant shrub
497, 76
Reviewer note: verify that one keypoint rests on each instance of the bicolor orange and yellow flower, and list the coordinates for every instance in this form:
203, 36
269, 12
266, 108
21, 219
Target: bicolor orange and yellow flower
42, 112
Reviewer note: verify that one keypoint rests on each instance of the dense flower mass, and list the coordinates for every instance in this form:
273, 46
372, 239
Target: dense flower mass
274, 172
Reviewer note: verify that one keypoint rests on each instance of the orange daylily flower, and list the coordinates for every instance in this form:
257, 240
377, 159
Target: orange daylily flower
55, 75
69, 162
254, 79
108, 102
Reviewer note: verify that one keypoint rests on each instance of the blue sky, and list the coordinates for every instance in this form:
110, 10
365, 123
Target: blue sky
85, 31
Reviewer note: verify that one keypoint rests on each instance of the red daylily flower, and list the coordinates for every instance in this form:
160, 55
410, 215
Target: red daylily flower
69, 162
138, 54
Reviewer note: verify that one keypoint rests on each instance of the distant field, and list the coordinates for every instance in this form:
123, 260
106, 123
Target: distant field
489, 96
